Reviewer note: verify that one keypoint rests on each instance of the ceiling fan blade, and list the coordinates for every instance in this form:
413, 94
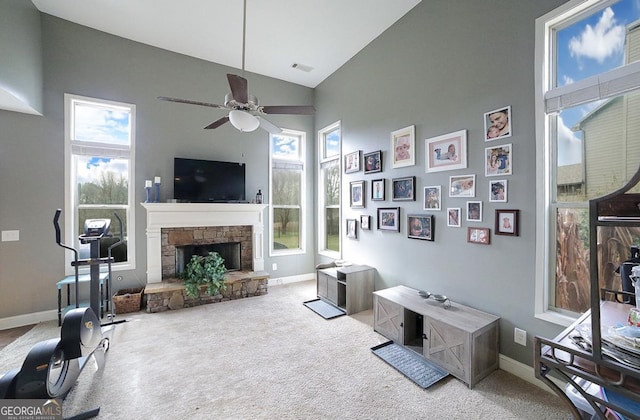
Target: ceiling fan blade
268, 125
187, 101
217, 123
289, 109
239, 88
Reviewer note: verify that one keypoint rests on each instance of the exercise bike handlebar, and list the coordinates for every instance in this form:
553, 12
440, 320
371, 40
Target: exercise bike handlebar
56, 226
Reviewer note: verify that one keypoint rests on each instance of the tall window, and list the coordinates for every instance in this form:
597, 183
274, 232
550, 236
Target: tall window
287, 192
99, 144
588, 135
329, 190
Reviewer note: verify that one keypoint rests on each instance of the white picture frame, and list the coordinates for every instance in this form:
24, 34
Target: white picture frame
403, 147
498, 124
446, 152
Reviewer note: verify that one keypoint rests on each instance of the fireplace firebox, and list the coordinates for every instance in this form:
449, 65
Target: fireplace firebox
229, 251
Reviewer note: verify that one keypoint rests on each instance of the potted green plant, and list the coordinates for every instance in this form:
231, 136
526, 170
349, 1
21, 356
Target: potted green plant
204, 270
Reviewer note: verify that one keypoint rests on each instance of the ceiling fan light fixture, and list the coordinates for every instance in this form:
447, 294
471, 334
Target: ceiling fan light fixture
243, 121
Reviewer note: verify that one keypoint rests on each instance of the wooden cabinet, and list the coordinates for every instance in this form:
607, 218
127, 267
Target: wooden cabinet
349, 288
461, 340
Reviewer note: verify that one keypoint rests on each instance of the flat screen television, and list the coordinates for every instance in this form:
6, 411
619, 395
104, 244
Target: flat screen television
208, 181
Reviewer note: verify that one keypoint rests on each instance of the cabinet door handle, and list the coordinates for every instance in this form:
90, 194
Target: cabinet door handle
402, 325
424, 336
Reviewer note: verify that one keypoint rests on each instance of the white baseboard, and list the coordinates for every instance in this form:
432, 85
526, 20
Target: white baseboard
28, 319
524, 372
277, 281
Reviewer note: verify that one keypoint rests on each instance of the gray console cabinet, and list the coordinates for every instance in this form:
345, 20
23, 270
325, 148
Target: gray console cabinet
461, 340
349, 288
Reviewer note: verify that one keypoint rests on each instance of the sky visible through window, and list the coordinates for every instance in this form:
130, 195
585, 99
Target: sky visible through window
591, 46
286, 147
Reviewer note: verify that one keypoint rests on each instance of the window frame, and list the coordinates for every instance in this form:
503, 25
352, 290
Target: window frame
323, 160
303, 194
71, 213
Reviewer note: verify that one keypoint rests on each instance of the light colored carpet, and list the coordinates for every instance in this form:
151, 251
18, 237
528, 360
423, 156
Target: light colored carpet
271, 357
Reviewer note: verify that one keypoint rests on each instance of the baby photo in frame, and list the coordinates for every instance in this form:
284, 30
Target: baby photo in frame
433, 198
373, 162
420, 227
453, 217
497, 123
498, 191
404, 189
403, 147
474, 211
477, 235
462, 186
356, 194
498, 160
446, 152
507, 222
389, 218
352, 162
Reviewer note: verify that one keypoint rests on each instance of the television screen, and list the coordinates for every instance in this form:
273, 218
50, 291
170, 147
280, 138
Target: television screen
208, 181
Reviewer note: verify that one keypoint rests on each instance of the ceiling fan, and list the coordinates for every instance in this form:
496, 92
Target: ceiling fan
245, 112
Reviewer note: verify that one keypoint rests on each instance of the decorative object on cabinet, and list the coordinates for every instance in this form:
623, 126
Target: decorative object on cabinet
349, 288
462, 186
389, 218
352, 162
403, 147
507, 222
497, 124
356, 194
378, 189
420, 226
365, 222
498, 160
432, 198
474, 211
373, 162
476, 235
453, 217
403, 189
352, 229
498, 191
460, 340
446, 152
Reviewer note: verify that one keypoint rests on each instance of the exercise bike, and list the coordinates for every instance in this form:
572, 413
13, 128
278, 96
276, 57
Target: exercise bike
52, 367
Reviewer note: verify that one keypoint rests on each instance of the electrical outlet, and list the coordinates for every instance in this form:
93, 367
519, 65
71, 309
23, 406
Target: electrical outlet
520, 336
274, 266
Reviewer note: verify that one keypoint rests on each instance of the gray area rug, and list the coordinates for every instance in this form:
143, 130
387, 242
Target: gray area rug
324, 309
265, 357
417, 368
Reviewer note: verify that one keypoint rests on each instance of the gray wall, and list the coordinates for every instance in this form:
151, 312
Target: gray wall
441, 68
86, 62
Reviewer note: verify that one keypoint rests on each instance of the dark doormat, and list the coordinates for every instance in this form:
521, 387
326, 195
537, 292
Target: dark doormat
410, 364
324, 309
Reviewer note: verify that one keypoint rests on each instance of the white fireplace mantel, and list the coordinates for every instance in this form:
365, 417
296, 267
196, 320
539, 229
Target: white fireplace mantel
177, 215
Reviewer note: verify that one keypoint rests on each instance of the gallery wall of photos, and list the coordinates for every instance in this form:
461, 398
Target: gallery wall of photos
447, 152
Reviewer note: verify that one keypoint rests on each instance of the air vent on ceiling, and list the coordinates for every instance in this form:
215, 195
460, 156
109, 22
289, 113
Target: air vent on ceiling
302, 67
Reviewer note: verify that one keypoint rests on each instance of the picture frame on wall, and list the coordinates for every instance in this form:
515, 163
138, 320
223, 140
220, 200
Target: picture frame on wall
498, 191
352, 229
403, 189
474, 211
497, 124
352, 162
453, 217
373, 162
478, 235
433, 198
389, 219
462, 186
378, 190
356, 194
507, 222
420, 226
498, 160
365, 222
446, 152
403, 147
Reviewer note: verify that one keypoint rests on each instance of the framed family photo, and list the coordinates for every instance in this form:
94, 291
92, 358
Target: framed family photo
389, 218
373, 162
404, 189
352, 229
446, 152
476, 235
497, 124
507, 222
433, 198
498, 160
356, 194
498, 191
378, 189
474, 211
352, 162
403, 147
453, 217
420, 227
462, 186
365, 222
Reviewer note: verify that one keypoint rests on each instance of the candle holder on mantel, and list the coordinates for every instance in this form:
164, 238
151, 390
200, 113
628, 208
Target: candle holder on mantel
156, 182
147, 188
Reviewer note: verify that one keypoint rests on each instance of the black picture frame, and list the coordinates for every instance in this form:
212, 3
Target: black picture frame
372, 162
404, 189
420, 226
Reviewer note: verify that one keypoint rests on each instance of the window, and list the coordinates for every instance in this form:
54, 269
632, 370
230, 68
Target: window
588, 135
329, 180
99, 144
287, 192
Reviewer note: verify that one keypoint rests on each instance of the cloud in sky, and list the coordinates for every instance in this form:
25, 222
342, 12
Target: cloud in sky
601, 41
286, 147
569, 145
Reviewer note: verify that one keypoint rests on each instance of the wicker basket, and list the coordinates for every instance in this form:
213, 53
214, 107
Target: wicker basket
127, 300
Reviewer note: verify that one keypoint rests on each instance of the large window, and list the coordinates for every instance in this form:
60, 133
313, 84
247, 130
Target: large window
329, 180
99, 144
287, 192
588, 141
